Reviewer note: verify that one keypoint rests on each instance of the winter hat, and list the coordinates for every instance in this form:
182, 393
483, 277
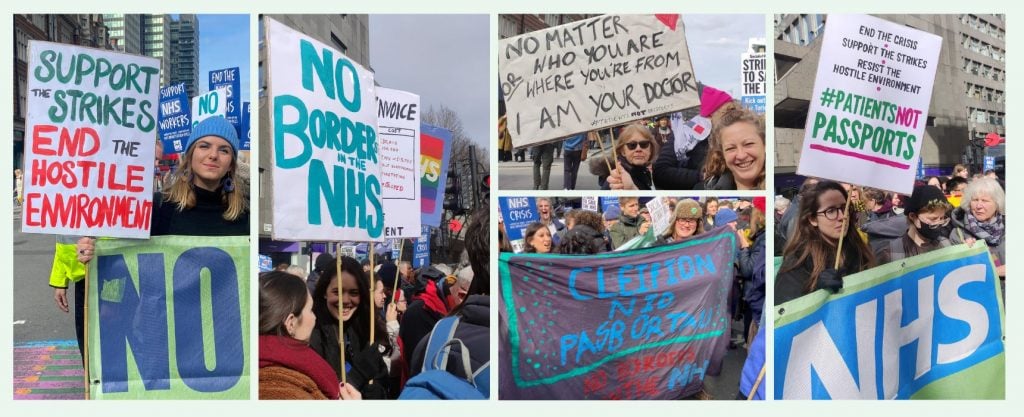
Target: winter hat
759, 203
214, 126
923, 196
725, 216
387, 273
688, 209
711, 99
612, 213
323, 260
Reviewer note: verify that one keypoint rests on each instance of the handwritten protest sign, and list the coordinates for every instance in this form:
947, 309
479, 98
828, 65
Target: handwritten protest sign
435, 150
91, 127
868, 112
175, 118
211, 104
323, 125
518, 213
930, 326
398, 129
227, 79
594, 73
421, 255
642, 324
246, 136
661, 215
753, 84
169, 318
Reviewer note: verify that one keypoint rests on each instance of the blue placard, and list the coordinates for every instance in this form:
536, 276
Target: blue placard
608, 202
755, 103
990, 163
518, 213
175, 118
246, 136
227, 78
421, 255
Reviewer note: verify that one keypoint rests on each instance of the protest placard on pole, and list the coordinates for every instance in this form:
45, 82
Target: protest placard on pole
870, 103
398, 120
210, 104
589, 203
323, 129
927, 327
518, 213
753, 80
169, 318
594, 73
421, 256
641, 324
435, 151
91, 130
227, 79
175, 118
661, 215
246, 136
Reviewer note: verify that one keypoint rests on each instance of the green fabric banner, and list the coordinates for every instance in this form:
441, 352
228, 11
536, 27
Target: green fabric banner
169, 318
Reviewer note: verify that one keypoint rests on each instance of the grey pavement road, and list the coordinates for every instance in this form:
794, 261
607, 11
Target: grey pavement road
36, 316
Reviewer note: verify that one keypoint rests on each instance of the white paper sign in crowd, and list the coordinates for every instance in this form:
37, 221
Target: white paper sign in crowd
213, 103
398, 119
90, 134
868, 112
594, 73
323, 129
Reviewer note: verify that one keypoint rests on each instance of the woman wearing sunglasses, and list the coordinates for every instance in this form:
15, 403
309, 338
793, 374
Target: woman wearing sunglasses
809, 258
736, 156
635, 148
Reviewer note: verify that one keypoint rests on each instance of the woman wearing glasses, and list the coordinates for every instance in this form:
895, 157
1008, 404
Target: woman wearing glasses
736, 157
809, 257
636, 148
687, 222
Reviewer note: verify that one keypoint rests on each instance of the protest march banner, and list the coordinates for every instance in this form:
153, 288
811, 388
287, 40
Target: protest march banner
642, 324
398, 128
753, 80
227, 79
869, 109
926, 327
435, 151
211, 104
323, 129
91, 130
594, 73
169, 318
175, 118
517, 213
421, 254
589, 203
246, 136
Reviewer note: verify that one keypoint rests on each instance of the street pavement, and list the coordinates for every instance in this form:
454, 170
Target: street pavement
519, 175
47, 364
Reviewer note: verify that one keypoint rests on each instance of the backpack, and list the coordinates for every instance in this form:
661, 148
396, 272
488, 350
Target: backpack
436, 383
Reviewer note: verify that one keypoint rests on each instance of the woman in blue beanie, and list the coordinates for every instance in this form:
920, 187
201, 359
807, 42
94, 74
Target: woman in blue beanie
206, 197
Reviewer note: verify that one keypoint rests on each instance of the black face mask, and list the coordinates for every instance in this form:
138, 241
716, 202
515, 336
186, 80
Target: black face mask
934, 232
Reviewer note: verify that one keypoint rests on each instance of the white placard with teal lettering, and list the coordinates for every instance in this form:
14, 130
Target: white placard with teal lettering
213, 103
324, 146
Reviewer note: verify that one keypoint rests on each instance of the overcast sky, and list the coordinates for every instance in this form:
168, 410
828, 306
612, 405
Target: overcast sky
443, 58
716, 42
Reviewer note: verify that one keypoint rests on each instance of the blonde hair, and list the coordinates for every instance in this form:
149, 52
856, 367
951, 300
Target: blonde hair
730, 113
635, 129
181, 190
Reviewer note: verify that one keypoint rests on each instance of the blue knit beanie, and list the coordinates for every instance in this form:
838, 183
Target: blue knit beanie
214, 126
725, 215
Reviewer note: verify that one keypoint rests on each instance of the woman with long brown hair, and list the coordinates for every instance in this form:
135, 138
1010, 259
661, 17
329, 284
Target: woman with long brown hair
809, 257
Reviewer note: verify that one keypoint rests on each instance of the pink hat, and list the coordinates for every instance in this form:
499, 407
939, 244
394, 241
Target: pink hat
711, 99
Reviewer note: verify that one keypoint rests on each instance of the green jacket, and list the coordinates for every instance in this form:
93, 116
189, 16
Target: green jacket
625, 229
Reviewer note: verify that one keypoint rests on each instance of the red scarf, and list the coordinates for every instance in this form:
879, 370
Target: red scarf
293, 354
